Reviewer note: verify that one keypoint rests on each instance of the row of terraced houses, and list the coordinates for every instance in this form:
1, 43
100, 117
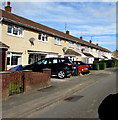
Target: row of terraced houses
27, 41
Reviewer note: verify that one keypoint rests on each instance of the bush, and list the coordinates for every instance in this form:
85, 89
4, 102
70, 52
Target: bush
95, 66
15, 88
95, 61
115, 63
109, 63
102, 66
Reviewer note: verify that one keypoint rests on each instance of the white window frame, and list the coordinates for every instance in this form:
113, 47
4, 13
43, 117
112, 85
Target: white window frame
57, 41
86, 48
97, 51
71, 44
78, 46
43, 37
10, 55
20, 30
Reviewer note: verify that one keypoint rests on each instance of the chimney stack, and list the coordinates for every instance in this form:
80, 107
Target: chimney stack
81, 38
97, 44
67, 32
90, 41
8, 8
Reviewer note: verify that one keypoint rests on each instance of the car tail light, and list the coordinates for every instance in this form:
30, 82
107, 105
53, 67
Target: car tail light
68, 63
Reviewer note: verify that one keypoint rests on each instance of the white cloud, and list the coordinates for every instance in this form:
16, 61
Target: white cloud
97, 29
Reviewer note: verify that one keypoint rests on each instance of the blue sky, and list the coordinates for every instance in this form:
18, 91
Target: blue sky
92, 20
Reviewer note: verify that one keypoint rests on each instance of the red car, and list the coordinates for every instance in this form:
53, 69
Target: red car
81, 67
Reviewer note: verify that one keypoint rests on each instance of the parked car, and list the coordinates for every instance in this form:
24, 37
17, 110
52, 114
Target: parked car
81, 67
16, 68
62, 67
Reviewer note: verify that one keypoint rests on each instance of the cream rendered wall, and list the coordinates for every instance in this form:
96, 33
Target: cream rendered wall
94, 53
57, 48
64, 43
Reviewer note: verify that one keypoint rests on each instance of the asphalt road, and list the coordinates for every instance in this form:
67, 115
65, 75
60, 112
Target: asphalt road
82, 104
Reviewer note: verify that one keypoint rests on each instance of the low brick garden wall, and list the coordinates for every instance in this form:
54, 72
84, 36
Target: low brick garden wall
23, 81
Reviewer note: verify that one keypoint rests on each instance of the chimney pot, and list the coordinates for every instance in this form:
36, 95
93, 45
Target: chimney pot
97, 44
8, 8
90, 41
67, 32
8, 3
81, 38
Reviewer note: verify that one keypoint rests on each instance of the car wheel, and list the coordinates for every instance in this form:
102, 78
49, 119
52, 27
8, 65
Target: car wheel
61, 74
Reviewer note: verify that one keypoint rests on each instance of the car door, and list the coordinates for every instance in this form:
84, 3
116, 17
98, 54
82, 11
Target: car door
40, 65
54, 65
79, 67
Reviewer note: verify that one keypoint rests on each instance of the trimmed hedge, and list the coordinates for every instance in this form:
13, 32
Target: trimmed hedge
96, 61
95, 66
115, 63
109, 63
99, 66
102, 66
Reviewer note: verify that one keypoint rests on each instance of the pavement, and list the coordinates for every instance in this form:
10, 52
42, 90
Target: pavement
21, 105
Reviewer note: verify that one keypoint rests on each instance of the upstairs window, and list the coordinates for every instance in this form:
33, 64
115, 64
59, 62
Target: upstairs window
43, 37
57, 41
78, 46
9, 29
86, 48
15, 30
71, 44
97, 51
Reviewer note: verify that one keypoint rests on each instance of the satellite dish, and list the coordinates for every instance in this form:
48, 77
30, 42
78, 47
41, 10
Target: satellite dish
83, 50
32, 39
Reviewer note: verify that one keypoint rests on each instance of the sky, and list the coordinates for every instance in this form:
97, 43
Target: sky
94, 21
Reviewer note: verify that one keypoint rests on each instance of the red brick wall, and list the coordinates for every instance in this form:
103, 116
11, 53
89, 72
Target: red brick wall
5, 80
30, 80
34, 80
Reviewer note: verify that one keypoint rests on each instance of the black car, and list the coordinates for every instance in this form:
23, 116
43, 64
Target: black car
62, 67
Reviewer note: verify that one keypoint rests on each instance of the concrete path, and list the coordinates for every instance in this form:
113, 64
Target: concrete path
19, 106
